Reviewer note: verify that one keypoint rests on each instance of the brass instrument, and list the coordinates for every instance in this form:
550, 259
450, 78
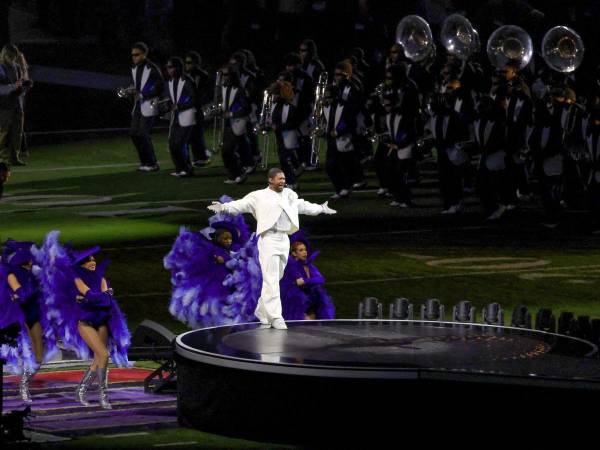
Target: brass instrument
510, 44
123, 92
562, 49
414, 35
317, 119
264, 126
219, 120
212, 110
459, 37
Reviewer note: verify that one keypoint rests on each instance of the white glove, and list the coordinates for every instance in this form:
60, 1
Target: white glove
216, 207
327, 209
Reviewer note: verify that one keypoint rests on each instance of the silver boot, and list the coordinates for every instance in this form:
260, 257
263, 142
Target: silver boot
103, 384
24, 386
83, 386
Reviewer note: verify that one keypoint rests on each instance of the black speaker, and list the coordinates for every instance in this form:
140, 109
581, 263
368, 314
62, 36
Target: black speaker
151, 341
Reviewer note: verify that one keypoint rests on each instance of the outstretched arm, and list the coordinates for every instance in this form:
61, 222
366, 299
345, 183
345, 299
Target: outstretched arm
244, 205
312, 209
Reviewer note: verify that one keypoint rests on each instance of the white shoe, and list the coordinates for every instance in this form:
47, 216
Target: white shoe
249, 169
454, 209
335, 196
381, 192
279, 324
524, 197
175, 174
394, 203
143, 168
498, 213
229, 181
402, 205
360, 185
344, 193
241, 179
511, 207
263, 326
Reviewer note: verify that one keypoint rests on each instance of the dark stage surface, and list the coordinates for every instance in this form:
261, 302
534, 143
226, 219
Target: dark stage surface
395, 349
234, 380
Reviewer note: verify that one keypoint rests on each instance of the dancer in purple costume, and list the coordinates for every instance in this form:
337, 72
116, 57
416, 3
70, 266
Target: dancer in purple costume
20, 298
200, 262
303, 296
83, 311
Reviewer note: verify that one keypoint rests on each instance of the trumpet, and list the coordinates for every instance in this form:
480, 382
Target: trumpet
264, 118
219, 120
264, 126
317, 119
377, 138
212, 110
123, 92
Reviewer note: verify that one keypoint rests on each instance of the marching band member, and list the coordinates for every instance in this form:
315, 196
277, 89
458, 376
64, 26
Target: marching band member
449, 129
343, 162
402, 131
182, 92
148, 84
236, 147
493, 177
303, 99
201, 79
311, 64
285, 121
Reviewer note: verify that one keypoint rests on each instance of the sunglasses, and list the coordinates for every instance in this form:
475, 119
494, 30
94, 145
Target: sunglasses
136, 54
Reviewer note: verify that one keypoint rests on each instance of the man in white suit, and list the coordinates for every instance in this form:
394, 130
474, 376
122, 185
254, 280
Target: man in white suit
276, 210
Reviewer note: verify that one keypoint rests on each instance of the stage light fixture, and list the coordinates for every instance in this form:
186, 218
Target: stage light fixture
492, 314
432, 310
370, 308
463, 312
567, 324
401, 309
521, 317
545, 320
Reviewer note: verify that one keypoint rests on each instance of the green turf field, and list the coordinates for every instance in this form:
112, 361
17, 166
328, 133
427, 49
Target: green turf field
91, 191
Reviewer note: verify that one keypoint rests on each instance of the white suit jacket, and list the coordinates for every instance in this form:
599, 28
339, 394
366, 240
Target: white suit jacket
267, 205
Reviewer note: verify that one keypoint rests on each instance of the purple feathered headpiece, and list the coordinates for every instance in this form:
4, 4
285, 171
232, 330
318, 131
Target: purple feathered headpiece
77, 257
17, 253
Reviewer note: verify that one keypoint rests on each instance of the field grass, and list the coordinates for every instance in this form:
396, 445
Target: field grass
368, 249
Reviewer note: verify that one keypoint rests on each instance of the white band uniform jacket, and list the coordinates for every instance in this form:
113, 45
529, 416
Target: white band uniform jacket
266, 206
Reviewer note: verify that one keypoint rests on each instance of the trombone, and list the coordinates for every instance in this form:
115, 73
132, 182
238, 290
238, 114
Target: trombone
123, 92
264, 126
219, 120
317, 119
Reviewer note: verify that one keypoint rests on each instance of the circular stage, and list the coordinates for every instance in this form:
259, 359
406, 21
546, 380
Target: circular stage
234, 379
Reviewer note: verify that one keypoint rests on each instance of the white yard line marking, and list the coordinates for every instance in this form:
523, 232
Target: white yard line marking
173, 444
329, 236
122, 435
418, 277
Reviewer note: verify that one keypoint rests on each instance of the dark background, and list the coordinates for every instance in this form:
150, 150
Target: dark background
96, 35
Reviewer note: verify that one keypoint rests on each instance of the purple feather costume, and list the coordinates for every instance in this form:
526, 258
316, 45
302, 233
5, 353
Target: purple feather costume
200, 296
23, 312
296, 301
20, 357
63, 311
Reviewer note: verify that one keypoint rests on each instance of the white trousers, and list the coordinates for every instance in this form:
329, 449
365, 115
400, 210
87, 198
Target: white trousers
273, 251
